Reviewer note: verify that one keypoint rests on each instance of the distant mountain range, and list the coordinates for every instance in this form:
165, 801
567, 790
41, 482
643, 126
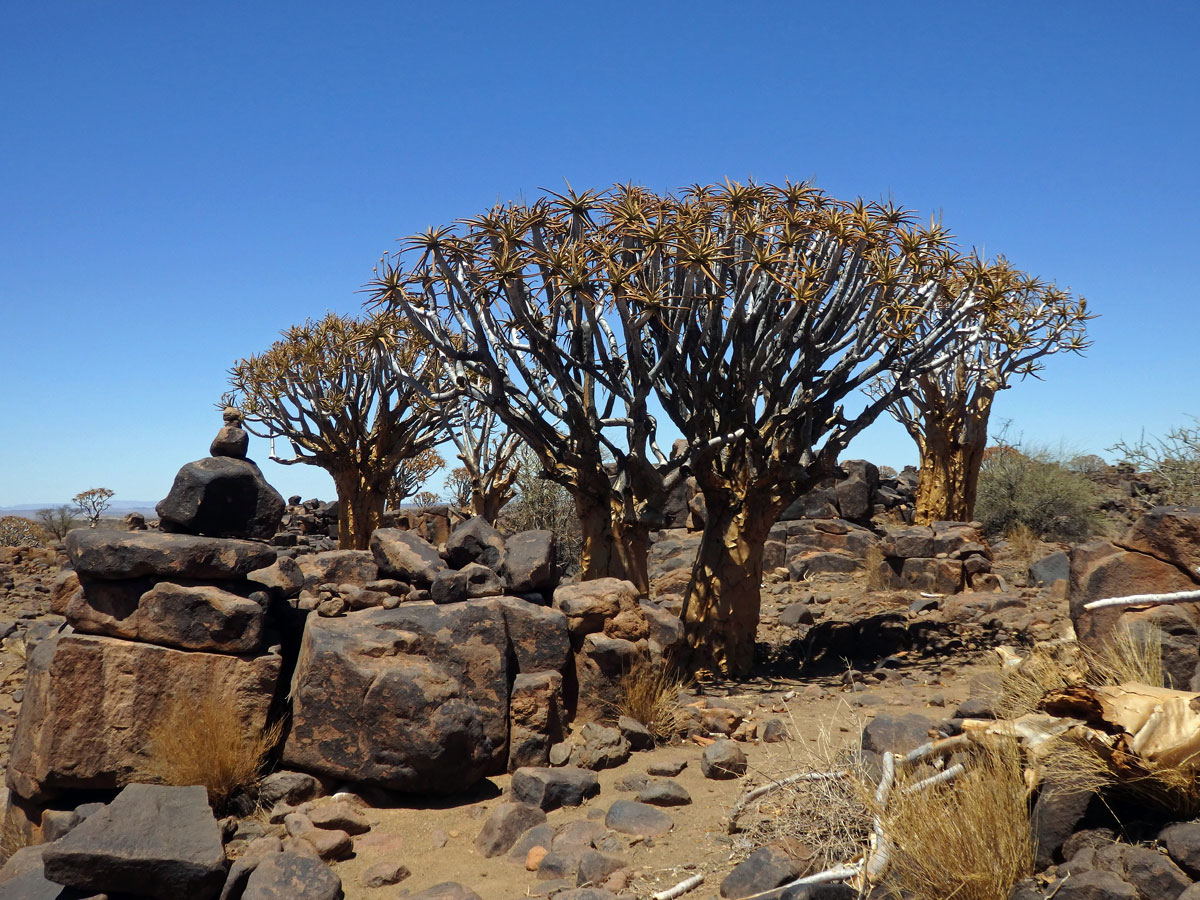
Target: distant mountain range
117, 508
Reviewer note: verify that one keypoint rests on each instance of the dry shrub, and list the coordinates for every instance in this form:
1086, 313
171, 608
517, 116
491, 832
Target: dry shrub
649, 693
830, 818
1132, 653
967, 840
12, 837
874, 561
206, 744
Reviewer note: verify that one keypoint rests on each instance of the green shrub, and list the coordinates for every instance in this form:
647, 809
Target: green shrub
542, 503
1034, 490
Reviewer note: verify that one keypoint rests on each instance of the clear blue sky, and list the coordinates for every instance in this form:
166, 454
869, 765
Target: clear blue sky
178, 182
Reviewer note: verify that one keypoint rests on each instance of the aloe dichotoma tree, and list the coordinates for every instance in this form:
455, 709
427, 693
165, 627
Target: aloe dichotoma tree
327, 389
761, 310
946, 408
513, 302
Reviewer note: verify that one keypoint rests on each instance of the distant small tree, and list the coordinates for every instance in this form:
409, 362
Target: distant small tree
58, 521
486, 450
92, 503
411, 474
425, 499
458, 487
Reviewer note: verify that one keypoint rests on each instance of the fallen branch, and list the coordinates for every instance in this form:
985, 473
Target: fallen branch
1138, 599
690, 883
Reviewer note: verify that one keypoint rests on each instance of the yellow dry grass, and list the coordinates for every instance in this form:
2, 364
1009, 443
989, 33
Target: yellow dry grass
967, 840
1022, 541
1132, 654
649, 693
874, 562
207, 744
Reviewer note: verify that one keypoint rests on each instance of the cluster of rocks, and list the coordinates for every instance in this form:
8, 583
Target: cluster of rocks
860, 492
943, 558
402, 667
163, 843
307, 526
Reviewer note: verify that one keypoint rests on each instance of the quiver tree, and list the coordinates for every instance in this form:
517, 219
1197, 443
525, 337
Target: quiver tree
411, 473
327, 389
486, 450
92, 503
946, 408
518, 304
760, 310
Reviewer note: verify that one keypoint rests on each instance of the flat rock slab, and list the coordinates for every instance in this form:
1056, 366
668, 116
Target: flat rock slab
413, 699
152, 840
407, 556
662, 792
107, 553
90, 702
191, 617
292, 876
549, 789
631, 817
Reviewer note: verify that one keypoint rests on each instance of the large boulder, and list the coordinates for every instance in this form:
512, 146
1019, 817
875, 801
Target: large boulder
537, 635
90, 703
338, 567
1100, 570
191, 617
1169, 533
412, 699
223, 497
151, 841
407, 556
475, 541
531, 562
111, 554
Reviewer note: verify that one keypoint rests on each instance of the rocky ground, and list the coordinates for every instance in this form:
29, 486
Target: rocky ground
836, 655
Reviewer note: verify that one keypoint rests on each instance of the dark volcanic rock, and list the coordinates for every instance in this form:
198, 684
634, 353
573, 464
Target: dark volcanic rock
723, 759
475, 541
191, 617
536, 716
468, 583
152, 840
531, 562
223, 497
762, 870
631, 817
104, 553
407, 556
412, 699
538, 636
549, 789
507, 823
292, 876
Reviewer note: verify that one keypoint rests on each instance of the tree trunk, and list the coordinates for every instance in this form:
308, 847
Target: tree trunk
948, 479
721, 607
612, 548
360, 509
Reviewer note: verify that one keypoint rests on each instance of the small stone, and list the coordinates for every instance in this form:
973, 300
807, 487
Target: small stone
774, 731
385, 873
595, 866
633, 782
339, 816
636, 733
292, 876
723, 759
631, 817
662, 792
668, 768
549, 789
534, 858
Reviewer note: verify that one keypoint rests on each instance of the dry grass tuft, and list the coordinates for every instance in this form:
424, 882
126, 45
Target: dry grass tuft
1132, 654
875, 562
1023, 541
968, 840
12, 837
206, 744
649, 693
1049, 667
